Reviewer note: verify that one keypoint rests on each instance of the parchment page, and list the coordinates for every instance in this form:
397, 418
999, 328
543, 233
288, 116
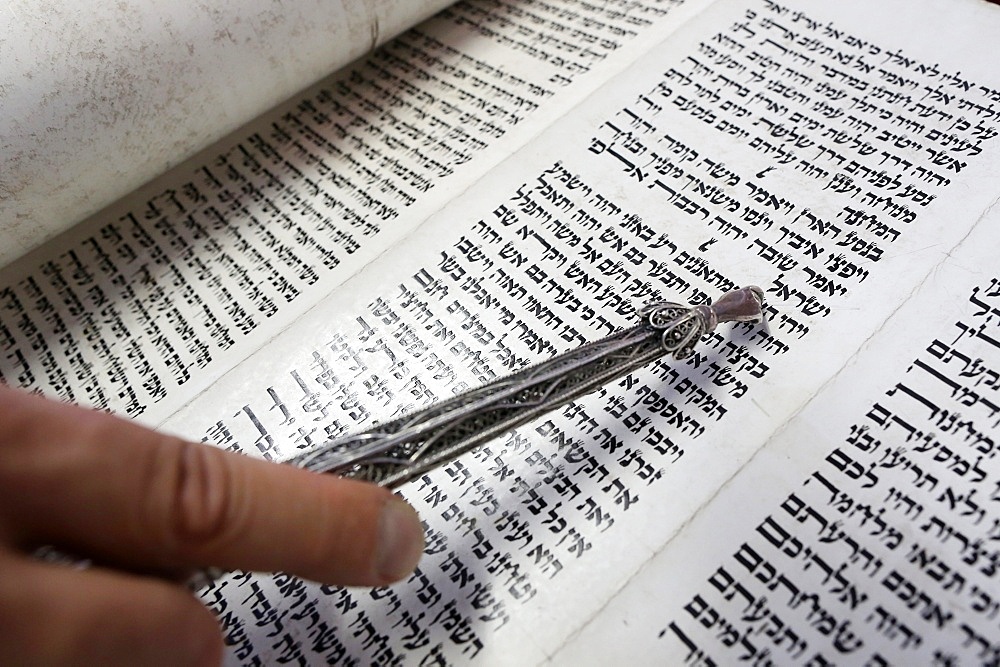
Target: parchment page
138, 309
729, 155
865, 531
98, 96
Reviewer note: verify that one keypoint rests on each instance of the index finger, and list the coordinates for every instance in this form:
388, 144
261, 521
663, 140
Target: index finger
113, 490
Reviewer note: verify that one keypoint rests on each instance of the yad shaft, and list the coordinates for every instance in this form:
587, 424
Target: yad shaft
389, 454
392, 453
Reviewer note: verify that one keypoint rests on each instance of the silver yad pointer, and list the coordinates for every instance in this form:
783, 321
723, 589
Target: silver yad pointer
392, 453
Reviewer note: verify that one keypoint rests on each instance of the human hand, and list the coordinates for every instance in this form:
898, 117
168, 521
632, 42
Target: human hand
148, 508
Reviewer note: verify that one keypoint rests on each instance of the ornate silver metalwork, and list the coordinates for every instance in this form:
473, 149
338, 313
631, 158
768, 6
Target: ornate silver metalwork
389, 454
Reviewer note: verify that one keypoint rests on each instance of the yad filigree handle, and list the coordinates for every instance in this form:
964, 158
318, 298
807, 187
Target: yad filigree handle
394, 452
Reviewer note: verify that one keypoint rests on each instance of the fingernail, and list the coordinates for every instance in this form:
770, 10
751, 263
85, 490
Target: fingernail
401, 540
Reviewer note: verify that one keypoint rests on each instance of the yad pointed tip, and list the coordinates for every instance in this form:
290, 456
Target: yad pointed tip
742, 305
